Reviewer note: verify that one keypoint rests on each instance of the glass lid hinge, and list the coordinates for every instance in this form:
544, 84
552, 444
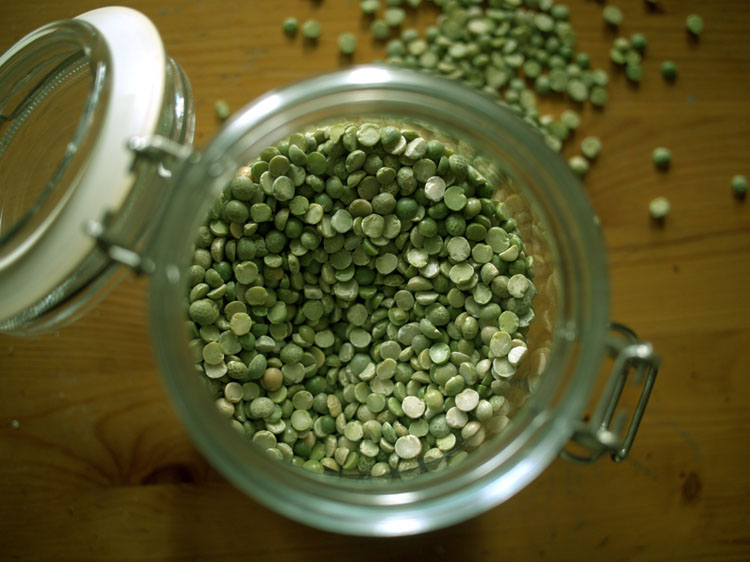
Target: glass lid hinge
116, 252
159, 149
602, 433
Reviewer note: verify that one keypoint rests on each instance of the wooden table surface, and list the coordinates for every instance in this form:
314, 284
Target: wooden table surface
100, 469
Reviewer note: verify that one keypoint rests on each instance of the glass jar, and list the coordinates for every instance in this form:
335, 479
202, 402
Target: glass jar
569, 339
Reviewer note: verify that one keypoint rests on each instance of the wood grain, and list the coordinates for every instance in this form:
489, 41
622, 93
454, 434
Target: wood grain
100, 469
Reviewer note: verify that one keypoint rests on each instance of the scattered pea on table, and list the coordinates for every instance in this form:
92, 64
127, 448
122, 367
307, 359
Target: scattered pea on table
659, 208
380, 29
598, 96
221, 108
591, 147
394, 16
311, 29
347, 43
669, 70
694, 24
612, 15
739, 185
638, 42
661, 157
369, 7
290, 26
634, 72
579, 165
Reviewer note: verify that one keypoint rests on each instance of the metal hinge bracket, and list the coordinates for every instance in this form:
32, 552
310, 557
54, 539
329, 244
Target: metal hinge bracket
603, 433
116, 252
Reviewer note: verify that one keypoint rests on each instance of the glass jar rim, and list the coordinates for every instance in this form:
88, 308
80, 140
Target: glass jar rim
539, 436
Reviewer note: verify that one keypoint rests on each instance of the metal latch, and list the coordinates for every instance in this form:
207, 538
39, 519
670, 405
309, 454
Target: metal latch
635, 360
156, 151
116, 252
159, 149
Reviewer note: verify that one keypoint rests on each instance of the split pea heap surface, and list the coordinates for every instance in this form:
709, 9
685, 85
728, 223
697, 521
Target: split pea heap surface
359, 302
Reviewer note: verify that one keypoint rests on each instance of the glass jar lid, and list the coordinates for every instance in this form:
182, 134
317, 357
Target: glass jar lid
71, 95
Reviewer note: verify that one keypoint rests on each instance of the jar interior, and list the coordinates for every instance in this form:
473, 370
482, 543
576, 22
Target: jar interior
565, 341
519, 388
51, 101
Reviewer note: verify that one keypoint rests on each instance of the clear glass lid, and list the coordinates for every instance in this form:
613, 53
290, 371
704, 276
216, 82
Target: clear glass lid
72, 93
46, 103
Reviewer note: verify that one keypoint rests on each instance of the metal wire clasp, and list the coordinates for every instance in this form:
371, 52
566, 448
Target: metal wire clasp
154, 153
158, 149
118, 253
602, 433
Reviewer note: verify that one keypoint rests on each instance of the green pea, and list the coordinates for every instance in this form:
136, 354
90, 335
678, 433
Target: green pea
277, 313
454, 385
440, 353
612, 15
290, 26
406, 208
373, 226
739, 185
283, 188
659, 208
341, 221
369, 7
347, 43
256, 296
694, 24
590, 147
638, 42
221, 109
439, 427
577, 90
357, 272
661, 157
380, 29
316, 163
279, 165
579, 165
455, 224
406, 180
461, 273
236, 211
476, 232
455, 198
260, 212
394, 16
424, 169
368, 135
669, 70
634, 72
204, 312
598, 96
311, 29
376, 402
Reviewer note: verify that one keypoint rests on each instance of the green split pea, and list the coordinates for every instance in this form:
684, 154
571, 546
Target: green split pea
358, 302
511, 50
